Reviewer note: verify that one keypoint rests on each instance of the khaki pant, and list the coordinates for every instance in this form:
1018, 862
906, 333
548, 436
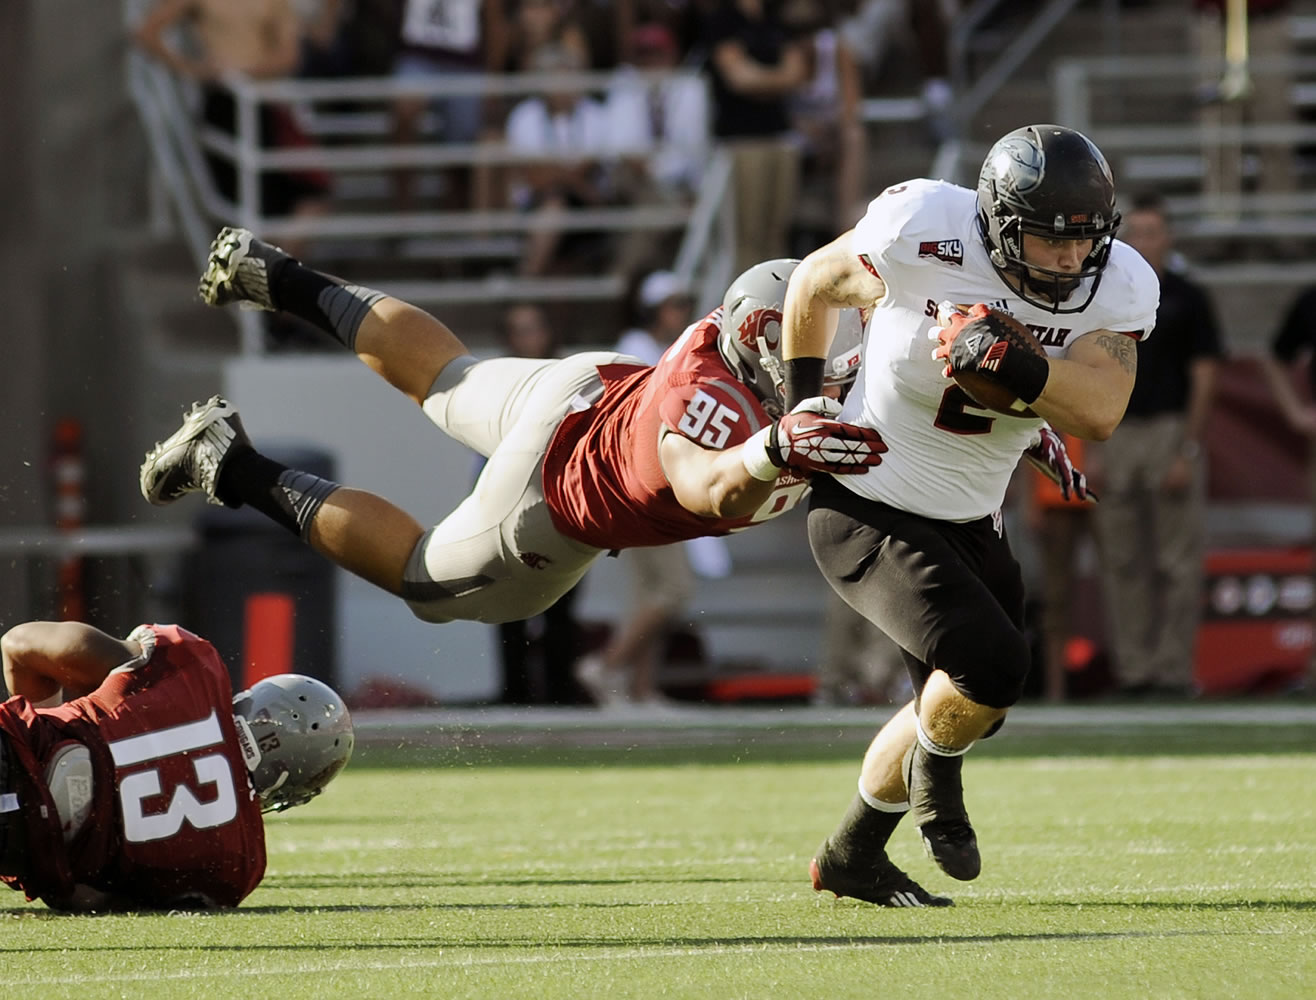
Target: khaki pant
765, 177
1152, 548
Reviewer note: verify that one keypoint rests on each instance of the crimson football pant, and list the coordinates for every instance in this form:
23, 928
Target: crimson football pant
949, 593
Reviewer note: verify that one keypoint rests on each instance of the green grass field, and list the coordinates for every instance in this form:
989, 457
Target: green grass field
1157, 862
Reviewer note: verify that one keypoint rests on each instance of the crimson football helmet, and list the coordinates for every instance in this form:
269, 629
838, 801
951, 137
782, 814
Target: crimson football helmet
750, 338
1049, 181
302, 733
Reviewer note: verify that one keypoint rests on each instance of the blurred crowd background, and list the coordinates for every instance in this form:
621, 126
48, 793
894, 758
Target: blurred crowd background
552, 175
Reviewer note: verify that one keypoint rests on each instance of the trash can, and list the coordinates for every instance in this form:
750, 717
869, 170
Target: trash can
260, 594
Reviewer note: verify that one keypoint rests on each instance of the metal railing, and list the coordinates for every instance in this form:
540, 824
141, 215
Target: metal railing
180, 148
1170, 150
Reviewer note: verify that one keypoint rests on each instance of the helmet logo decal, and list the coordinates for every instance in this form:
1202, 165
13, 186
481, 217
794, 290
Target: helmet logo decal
761, 323
1019, 166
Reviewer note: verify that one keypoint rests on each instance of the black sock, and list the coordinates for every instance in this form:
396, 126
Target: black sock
287, 497
330, 303
860, 839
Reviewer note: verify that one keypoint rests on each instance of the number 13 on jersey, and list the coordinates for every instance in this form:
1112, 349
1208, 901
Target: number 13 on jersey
211, 772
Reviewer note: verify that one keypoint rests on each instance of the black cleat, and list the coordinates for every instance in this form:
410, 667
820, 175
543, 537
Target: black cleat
936, 799
954, 847
889, 886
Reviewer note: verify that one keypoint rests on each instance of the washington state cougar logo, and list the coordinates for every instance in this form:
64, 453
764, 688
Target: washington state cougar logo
765, 323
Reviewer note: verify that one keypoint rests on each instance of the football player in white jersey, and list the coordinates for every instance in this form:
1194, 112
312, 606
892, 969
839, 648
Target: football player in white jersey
916, 544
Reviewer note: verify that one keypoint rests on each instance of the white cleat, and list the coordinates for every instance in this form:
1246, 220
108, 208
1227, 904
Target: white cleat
239, 269
190, 459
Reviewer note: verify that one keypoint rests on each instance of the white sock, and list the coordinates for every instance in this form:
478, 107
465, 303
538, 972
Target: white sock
878, 804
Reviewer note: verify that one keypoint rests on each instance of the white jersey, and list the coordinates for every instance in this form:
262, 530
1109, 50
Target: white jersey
948, 458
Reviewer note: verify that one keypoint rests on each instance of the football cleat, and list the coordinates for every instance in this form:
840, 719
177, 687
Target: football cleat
936, 799
190, 459
239, 269
889, 887
954, 847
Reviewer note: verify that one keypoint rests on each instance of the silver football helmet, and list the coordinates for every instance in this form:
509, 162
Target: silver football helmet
302, 733
750, 339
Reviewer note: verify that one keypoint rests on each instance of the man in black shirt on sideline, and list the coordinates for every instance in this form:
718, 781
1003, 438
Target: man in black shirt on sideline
1152, 518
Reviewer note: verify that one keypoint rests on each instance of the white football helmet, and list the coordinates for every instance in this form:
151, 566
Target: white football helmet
750, 339
302, 733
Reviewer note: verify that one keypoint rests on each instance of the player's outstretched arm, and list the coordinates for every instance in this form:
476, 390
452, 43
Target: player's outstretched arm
736, 481
1087, 391
40, 658
832, 277
712, 483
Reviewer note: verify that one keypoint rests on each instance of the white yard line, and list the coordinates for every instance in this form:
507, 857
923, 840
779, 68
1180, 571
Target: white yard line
903, 936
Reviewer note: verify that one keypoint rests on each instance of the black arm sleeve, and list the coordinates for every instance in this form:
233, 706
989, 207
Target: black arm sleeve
804, 380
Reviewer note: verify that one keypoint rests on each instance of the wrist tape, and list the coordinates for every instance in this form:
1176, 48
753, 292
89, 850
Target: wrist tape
757, 455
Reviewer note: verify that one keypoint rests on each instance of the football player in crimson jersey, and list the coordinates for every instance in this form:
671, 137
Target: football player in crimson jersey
585, 454
917, 545
145, 791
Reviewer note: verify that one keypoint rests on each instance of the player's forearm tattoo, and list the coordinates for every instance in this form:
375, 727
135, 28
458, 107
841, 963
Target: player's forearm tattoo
1122, 349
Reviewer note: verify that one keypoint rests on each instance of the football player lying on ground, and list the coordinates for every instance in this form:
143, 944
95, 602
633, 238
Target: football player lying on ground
146, 790
586, 454
917, 546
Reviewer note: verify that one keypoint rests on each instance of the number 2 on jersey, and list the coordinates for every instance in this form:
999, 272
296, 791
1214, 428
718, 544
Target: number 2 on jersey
953, 415
212, 773
707, 421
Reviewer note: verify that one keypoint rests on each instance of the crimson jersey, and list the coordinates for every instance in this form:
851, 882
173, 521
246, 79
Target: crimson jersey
173, 815
602, 478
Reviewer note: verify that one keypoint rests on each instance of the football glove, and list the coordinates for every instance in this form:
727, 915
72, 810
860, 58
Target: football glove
981, 342
810, 439
1049, 455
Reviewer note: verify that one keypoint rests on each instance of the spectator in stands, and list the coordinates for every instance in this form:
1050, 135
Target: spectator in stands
1151, 519
825, 114
260, 39
545, 24
1059, 525
1228, 100
326, 48
669, 117
550, 642
453, 39
874, 26
660, 133
755, 67
662, 582
570, 131
1290, 359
